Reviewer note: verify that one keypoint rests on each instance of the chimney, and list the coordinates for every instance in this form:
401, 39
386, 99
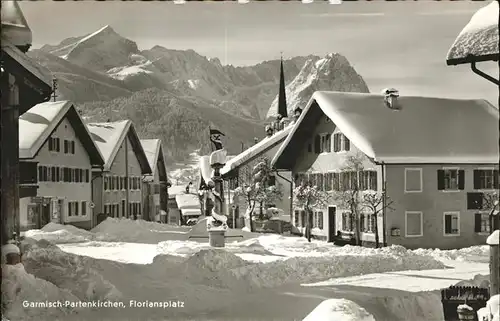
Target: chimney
284, 122
277, 123
391, 98
269, 131
255, 140
296, 113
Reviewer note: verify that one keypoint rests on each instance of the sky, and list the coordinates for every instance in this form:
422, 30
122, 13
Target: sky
390, 44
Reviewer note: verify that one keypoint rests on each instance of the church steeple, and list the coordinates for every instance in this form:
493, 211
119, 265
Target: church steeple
282, 107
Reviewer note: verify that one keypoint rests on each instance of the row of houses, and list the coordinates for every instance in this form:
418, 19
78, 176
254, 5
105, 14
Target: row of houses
434, 159
77, 173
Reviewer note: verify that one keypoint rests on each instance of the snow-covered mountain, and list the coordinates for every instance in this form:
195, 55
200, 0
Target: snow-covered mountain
104, 69
332, 72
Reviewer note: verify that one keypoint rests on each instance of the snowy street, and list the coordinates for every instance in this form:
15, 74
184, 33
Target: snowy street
283, 278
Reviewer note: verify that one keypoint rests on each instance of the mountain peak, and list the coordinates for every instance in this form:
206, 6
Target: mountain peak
331, 73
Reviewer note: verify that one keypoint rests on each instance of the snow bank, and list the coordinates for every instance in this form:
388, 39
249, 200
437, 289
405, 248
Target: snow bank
127, 230
18, 286
307, 269
60, 234
494, 238
67, 271
479, 280
338, 310
459, 255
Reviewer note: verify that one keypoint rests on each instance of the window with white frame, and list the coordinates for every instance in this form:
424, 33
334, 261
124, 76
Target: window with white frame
486, 179
482, 222
84, 208
413, 180
341, 143
451, 223
451, 179
347, 222
318, 219
73, 208
367, 223
414, 224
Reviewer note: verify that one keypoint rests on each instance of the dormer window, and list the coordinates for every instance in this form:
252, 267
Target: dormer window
341, 143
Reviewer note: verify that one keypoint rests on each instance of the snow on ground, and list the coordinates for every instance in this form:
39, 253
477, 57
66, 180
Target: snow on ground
338, 310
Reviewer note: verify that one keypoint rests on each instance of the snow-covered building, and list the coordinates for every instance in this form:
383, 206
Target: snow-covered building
155, 191
54, 140
117, 188
238, 171
434, 158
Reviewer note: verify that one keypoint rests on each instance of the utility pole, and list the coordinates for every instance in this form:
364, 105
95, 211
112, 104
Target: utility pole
54, 88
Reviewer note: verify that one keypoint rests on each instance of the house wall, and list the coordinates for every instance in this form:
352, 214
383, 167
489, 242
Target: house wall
244, 177
432, 203
60, 193
125, 158
97, 195
310, 162
174, 213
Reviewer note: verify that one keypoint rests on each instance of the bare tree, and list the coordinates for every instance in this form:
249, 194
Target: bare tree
490, 203
350, 196
375, 203
309, 197
258, 191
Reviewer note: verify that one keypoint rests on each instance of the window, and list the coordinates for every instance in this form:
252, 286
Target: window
328, 179
320, 182
111, 183
341, 143
40, 173
66, 146
272, 180
325, 145
106, 179
347, 143
296, 218
347, 222
54, 145
317, 144
485, 179
84, 208
303, 218
72, 147
367, 223
482, 223
413, 180
414, 224
336, 181
318, 220
451, 179
72, 208
53, 174
451, 222
87, 176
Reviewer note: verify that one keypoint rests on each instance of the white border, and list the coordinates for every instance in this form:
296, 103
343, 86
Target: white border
444, 229
407, 169
483, 169
421, 223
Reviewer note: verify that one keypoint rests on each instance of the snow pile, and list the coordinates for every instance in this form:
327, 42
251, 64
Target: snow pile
459, 255
307, 269
60, 234
494, 238
188, 248
67, 271
338, 310
479, 280
127, 230
18, 286
480, 35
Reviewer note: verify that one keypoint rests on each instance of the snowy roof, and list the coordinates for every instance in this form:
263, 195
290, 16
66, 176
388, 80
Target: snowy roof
191, 212
38, 123
110, 136
256, 150
152, 149
185, 201
478, 41
40, 72
425, 130
176, 189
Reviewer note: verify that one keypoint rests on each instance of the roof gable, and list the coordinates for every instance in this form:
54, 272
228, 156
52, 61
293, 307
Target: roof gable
110, 136
154, 153
256, 150
38, 123
425, 130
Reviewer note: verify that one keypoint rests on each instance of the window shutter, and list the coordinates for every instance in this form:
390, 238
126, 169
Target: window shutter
495, 179
440, 179
477, 179
447, 224
461, 179
477, 222
328, 144
65, 146
347, 144
58, 145
87, 174
317, 144
51, 147
336, 144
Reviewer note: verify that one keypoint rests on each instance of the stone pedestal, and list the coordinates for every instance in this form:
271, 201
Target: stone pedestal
217, 238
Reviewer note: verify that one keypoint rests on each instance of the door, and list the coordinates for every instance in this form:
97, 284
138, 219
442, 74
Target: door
45, 217
332, 226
